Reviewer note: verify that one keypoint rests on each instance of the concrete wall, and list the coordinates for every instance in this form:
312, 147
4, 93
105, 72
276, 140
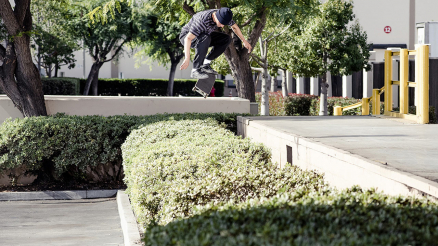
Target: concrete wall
341, 168
107, 106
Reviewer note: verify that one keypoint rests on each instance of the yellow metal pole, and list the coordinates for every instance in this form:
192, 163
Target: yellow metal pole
365, 106
376, 102
423, 52
337, 111
404, 89
388, 80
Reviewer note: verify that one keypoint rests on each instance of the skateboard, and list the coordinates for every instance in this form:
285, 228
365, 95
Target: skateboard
204, 86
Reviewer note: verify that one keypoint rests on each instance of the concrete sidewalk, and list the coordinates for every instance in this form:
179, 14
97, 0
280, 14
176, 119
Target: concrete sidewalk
41, 218
60, 222
392, 155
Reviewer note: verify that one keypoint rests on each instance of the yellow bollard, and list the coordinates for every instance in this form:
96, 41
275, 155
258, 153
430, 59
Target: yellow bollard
404, 89
388, 81
337, 111
376, 102
365, 106
423, 77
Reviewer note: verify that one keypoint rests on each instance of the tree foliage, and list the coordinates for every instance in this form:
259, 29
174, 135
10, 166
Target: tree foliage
160, 42
52, 43
104, 41
251, 16
330, 41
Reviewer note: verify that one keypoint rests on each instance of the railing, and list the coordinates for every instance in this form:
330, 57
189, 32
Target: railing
421, 85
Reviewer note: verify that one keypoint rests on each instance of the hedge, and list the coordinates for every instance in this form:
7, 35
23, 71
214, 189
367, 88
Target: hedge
276, 103
350, 217
193, 183
59, 86
62, 147
298, 104
172, 169
150, 87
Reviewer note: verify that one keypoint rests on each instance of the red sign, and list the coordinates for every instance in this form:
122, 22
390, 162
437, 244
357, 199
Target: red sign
387, 29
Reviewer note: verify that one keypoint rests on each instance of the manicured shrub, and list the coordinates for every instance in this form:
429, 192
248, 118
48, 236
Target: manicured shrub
276, 103
150, 87
336, 101
298, 104
62, 146
174, 169
59, 86
350, 217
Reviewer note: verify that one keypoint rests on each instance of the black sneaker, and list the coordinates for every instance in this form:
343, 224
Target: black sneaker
207, 69
198, 74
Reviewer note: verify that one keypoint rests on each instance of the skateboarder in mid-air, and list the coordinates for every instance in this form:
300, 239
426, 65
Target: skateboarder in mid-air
200, 33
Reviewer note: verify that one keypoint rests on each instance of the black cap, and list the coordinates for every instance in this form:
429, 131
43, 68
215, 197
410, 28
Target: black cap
224, 15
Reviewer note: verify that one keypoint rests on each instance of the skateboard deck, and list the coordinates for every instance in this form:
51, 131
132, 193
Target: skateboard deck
204, 86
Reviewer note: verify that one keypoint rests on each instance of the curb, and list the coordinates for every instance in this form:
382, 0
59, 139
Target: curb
56, 195
129, 223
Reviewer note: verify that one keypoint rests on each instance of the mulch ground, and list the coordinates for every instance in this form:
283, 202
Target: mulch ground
56, 186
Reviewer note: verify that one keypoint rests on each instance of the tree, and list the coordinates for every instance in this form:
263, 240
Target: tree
52, 51
19, 77
262, 62
160, 39
53, 44
274, 45
330, 42
105, 41
251, 16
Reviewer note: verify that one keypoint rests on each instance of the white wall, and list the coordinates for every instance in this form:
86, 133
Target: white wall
108, 106
127, 65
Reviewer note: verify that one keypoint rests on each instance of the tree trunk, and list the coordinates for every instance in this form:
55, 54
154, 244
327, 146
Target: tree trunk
39, 61
284, 83
49, 71
95, 83
94, 69
173, 66
323, 97
19, 77
241, 72
273, 83
56, 71
264, 107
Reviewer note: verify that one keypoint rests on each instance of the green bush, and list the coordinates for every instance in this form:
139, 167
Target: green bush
276, 103
298, 104
59, 86
176, 169
340, 101
62, 146
150, 87
336, 101
350, 217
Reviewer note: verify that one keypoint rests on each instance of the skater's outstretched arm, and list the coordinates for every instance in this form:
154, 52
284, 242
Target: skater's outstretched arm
237, 31
187, 44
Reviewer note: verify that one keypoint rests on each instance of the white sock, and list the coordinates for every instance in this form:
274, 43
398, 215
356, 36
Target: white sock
207, 61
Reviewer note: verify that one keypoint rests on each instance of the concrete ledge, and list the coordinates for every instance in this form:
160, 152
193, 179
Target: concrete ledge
341, 168
56, 195
108, 106
129, 223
